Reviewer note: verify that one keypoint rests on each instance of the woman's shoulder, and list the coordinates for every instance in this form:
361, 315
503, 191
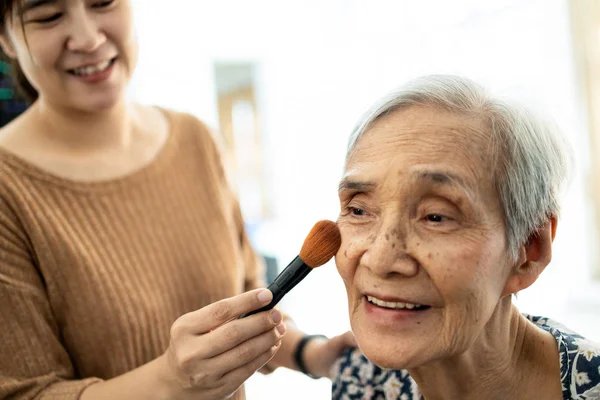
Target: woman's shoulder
196, 139
192, 130
579, 359
358, 378
185, 121
12, 175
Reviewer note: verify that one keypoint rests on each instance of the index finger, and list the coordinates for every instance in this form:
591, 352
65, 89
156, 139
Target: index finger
214, 315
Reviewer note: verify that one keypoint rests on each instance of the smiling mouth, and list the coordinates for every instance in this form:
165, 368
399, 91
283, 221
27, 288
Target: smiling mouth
92, 69
396, 305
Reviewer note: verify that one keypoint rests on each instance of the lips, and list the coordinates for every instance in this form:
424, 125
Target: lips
395, 303
92, 68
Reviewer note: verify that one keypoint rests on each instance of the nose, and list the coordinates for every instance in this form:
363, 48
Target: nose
386, 254
84, 33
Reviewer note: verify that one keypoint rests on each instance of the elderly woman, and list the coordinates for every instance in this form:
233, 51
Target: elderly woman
449, 206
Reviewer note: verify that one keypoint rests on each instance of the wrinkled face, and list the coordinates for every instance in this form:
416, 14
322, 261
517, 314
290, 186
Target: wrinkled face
76, 53
423, 257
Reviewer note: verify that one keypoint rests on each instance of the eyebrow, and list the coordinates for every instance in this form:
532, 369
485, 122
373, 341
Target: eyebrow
438, 178
31, 4
355, 186
446, 178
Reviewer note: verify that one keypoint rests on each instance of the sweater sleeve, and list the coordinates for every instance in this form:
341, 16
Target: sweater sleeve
33, 362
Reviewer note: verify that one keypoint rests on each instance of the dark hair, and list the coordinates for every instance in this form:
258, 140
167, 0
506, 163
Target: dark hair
22, 84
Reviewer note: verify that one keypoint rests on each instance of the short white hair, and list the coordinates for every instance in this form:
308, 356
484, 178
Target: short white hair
531, 159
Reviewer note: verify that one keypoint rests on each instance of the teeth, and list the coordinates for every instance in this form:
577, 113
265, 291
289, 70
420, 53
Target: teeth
392, 304
92, 69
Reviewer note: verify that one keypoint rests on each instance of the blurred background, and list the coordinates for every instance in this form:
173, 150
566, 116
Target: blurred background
282, 83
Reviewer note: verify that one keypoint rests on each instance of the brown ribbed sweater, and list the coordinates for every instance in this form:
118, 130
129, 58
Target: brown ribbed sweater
92, 275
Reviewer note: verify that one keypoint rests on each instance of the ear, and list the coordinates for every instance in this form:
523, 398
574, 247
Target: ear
7, 46
534, 256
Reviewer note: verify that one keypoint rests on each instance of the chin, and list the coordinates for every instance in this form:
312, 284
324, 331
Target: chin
99, 103
104, 106
382, 358
387, 353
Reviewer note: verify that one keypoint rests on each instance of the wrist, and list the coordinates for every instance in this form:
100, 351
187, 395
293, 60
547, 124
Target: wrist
300, 354
166, 384
148, 382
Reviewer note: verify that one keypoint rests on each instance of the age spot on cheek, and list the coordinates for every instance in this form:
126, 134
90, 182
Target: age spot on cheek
430, 256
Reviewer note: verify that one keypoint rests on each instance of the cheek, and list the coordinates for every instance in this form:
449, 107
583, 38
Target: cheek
355, 240
42, 55
122, 30
469, 269
345, 263
348, 256
127, 44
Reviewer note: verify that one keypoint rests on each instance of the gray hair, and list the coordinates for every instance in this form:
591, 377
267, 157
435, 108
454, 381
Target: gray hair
531, 159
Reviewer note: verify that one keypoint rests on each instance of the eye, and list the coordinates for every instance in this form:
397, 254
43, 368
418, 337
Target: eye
50, 18
356, 211
436, 218
102, 4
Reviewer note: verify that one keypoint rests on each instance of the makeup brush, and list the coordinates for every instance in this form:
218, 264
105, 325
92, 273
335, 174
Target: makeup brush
322, 242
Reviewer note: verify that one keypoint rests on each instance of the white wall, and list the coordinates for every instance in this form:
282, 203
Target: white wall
321, 63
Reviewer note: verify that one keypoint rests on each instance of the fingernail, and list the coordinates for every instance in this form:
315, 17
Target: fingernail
275, 317
281, 329
265, 296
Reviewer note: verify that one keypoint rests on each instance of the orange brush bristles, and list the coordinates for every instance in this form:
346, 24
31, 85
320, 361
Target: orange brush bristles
322, 242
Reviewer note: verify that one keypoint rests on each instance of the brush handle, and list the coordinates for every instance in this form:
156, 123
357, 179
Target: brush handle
285, 281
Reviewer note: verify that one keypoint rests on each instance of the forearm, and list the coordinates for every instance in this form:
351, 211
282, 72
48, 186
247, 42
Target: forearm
147, 382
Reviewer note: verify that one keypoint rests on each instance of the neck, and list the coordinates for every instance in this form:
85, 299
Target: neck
85, 132
504, 362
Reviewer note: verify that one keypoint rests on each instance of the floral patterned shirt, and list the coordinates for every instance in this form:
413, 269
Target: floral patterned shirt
358, 378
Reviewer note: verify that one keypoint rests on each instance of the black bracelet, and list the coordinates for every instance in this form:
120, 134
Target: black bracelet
299, 353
